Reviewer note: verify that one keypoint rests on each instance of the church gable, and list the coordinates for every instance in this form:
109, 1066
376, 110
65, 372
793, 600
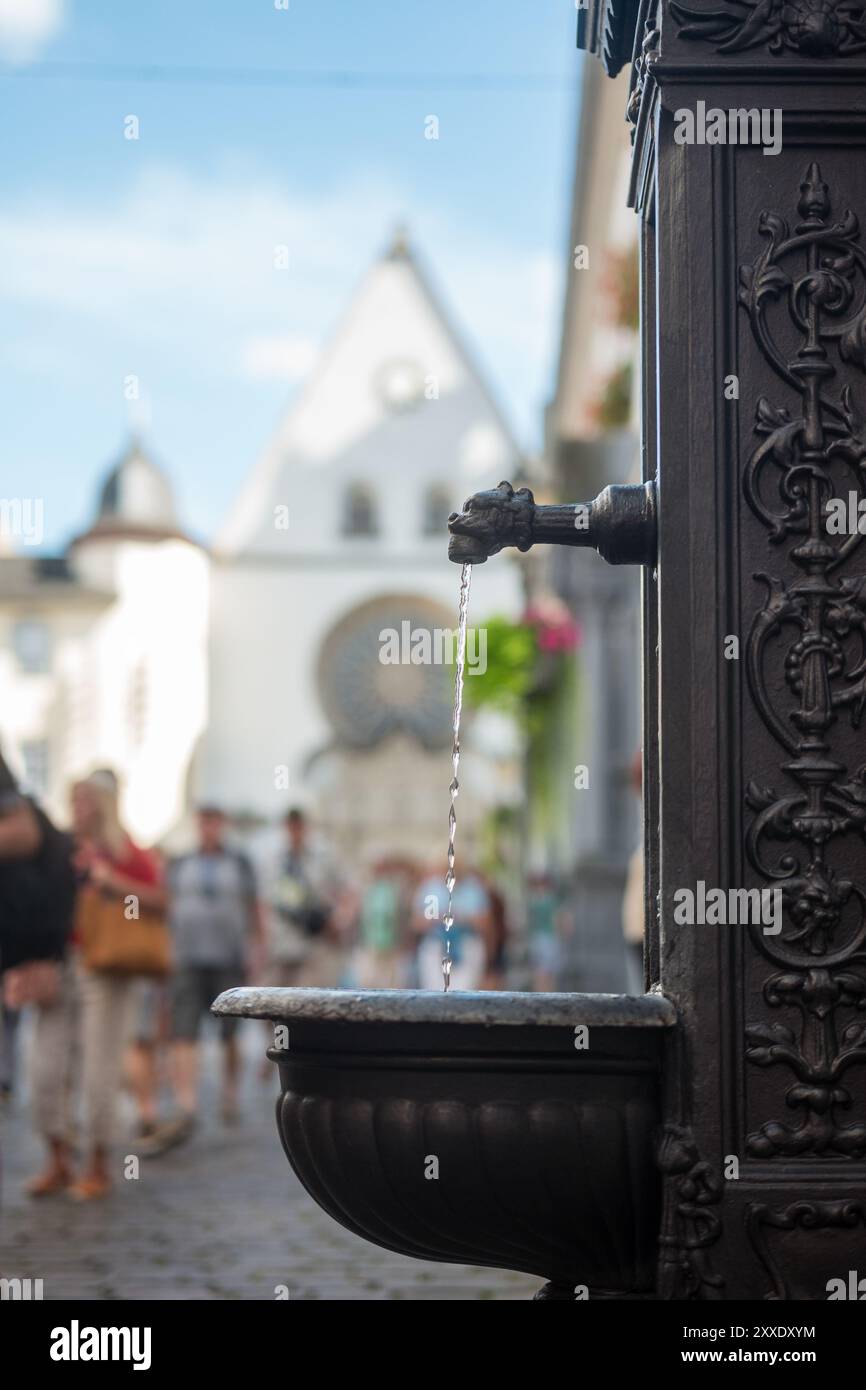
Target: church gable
394, 412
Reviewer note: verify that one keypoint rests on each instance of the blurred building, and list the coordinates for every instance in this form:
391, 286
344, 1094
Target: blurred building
253, 675
103, 652
339, 536
584, 834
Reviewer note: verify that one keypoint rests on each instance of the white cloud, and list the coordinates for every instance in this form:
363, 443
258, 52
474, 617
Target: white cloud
27, 25
186, 263
174, 253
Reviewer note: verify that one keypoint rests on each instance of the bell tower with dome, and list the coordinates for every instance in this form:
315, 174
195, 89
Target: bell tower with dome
103, 652
136, 496
135, 505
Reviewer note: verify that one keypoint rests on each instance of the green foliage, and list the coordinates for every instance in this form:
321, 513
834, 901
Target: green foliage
512, 657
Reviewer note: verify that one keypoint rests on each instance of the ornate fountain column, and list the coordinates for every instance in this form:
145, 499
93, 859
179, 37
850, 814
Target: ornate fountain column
754, 270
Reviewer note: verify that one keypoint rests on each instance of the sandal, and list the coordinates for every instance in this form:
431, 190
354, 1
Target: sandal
89, 1189
48, 1184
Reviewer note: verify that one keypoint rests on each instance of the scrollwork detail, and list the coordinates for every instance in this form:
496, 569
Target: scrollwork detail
815, 28
760, 1218
692, 1223
818, 273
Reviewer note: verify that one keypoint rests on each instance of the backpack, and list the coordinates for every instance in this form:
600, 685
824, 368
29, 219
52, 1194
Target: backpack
296, 902
37, 898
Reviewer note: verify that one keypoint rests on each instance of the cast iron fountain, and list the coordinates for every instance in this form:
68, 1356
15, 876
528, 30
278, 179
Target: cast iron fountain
710, 1141
495, 1128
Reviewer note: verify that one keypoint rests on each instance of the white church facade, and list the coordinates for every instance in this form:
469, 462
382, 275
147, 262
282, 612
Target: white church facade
251, 675
338, 536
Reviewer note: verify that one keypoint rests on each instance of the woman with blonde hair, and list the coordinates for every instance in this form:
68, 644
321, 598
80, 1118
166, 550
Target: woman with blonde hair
111, 869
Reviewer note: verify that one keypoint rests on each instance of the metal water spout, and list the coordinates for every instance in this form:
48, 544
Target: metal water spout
620, 524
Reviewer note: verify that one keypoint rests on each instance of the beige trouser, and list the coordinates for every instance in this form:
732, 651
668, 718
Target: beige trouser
83, 1038
107, 1021
55, 1058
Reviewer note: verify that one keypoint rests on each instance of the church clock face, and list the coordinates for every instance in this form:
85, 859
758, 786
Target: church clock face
399, 384
370, 686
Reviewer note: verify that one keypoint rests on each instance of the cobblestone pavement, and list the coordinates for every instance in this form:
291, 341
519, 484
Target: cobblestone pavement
221, 1218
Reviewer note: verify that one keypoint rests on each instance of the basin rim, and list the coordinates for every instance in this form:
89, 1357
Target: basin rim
490, 1008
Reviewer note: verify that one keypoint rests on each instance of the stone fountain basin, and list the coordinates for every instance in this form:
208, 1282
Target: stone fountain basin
545, 1152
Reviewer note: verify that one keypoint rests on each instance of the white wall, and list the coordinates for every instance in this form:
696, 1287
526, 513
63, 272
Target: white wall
269, 627
152, 636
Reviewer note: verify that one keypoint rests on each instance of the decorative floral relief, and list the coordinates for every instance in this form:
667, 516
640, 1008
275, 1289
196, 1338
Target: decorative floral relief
815, 28
818, 272
840, 1213
692, 1223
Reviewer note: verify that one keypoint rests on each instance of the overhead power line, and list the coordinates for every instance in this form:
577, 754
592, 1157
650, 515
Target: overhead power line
276, 77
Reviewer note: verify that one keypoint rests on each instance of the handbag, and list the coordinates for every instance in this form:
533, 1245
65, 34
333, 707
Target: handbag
115, 944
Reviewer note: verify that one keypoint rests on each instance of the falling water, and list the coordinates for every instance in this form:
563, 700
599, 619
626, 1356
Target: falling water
448, 919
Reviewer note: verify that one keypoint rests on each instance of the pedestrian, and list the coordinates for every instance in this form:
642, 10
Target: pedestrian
469, 943
215, 923
10, 1019
379, 960
497, 964
119, 883
36, 881
543, 910
301, 894
149, 1038
37, 895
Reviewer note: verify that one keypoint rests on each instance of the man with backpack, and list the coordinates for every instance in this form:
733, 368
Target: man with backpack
214, 919
299, 904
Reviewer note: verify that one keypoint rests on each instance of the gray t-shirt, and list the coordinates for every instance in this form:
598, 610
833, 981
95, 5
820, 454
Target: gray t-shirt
210, 899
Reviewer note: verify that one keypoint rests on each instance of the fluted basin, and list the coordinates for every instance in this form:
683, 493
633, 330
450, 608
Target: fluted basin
513, 1130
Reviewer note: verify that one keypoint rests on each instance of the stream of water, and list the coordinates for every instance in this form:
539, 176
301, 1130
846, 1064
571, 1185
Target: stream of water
450, 880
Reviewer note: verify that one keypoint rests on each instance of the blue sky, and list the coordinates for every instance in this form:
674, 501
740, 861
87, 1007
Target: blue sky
154, 257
